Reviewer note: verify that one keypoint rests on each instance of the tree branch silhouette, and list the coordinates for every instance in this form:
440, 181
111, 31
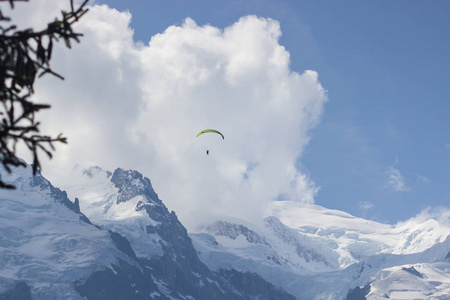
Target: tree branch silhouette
24, 56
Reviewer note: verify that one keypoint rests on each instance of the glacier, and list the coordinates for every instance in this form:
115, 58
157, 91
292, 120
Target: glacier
317, 253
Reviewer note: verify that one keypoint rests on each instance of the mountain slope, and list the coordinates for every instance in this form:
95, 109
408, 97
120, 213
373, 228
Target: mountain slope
117, 240
137, 249
316, 253
125, 202
46, 243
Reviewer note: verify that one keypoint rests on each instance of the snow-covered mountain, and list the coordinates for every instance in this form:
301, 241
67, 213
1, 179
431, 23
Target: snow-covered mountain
109, 236
46, 243
316, 253
127, 246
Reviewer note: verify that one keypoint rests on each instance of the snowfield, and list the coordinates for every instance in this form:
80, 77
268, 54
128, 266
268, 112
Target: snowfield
43, 242
317, 253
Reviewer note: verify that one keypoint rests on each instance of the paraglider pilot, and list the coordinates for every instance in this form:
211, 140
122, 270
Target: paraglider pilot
208, 130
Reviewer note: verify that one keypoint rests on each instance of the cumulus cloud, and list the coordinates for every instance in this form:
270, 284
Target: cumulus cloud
140, 107
35, 13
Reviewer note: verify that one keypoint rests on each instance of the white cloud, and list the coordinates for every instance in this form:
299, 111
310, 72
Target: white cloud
423, 179
140, 106
396, 179
35, 13
439, 213
366, 205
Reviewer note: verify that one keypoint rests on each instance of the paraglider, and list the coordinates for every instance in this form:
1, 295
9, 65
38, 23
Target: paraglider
212, 131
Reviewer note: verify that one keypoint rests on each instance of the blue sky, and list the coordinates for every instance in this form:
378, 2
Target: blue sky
367, 132
382, 148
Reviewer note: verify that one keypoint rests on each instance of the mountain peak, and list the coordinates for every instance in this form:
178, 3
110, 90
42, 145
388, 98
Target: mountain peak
131, 184
94, 170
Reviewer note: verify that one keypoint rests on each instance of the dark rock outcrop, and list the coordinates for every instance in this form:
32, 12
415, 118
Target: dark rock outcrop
20, 291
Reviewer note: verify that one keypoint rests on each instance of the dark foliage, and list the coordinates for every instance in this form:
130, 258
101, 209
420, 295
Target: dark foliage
25, 55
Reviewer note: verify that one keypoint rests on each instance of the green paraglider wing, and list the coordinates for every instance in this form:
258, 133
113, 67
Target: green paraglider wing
210, 130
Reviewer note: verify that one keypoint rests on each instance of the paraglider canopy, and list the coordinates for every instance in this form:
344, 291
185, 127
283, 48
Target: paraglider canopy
210, 130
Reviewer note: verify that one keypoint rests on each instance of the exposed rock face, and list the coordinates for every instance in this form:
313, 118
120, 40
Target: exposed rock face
255, 286
358, 293
58, 195
232, 231
132, 184
20, 291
